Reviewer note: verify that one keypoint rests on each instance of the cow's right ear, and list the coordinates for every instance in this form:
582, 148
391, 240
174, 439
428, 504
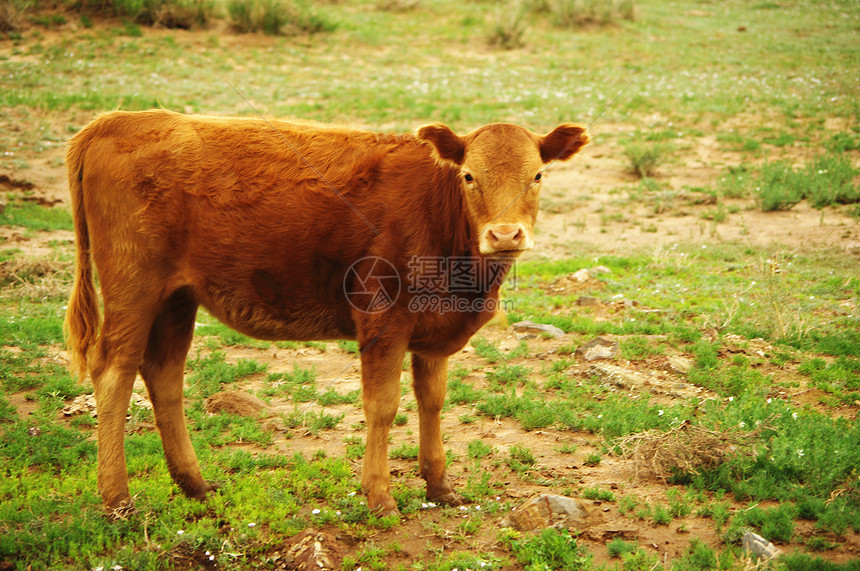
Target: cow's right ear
448, 145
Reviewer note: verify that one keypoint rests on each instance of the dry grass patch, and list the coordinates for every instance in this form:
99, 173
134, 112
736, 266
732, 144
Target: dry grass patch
687, 448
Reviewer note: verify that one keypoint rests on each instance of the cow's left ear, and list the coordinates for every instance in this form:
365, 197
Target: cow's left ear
565, 141
448, 145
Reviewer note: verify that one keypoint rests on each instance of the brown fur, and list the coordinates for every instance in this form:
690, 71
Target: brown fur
262, 228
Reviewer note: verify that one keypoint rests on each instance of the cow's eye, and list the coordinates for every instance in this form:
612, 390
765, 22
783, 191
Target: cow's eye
467, 177
538, 177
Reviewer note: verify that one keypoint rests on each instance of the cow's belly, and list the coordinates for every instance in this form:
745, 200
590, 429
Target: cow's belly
261, 321
301, 306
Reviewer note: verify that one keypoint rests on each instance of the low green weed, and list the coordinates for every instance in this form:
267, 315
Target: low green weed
478, 449
645, 158
277, 17
35, 217
825, 181
211, 371
405, 451
598, 493
840, 378
637, 348
508, 375
509, 25
551, 549
313, 421
578, 13
617, 547
520, 458
699, 557
486, 350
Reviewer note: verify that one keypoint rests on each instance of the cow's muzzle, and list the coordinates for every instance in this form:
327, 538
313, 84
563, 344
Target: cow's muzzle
506, 239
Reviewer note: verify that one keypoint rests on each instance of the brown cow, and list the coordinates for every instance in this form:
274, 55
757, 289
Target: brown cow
288, 231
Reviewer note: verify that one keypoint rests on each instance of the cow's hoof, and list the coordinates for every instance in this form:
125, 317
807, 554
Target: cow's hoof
448, 498
198, 490
382, 505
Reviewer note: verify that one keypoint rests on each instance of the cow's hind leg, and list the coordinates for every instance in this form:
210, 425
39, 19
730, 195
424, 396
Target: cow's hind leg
114, 361
162, 370
430, 377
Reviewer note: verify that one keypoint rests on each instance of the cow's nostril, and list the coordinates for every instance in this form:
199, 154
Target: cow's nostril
506, 237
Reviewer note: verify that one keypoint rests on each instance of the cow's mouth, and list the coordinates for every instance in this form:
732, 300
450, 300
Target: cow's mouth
505, 253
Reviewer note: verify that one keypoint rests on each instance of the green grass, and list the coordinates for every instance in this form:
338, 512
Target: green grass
35, 217
211, 372
824, 181
551, 549
767, 99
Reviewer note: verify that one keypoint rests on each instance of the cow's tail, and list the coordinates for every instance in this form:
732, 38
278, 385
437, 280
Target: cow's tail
82, 315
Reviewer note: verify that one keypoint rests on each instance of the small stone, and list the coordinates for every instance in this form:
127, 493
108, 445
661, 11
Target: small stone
759, 546
598, 348
544, 511
537, 328
619, 377
679, 364
582, 275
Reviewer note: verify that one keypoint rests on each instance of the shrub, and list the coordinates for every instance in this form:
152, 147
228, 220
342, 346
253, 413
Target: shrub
777, 188
183, 14
276, 17
12, 15
644, 159
825, 181
829, 180
509, 25
576, 13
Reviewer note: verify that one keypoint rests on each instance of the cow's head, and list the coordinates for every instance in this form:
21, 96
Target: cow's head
501, 167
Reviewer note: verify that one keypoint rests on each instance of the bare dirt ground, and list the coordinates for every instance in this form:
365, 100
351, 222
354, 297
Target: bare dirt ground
582, 212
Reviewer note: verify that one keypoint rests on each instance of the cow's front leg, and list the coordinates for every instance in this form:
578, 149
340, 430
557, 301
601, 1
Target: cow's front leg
381, 365
430, 378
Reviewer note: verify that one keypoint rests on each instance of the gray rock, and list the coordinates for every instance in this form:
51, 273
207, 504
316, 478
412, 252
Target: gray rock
544, 511
679, 364
759, 546
537, 328
598, 348
582, 275
618, 376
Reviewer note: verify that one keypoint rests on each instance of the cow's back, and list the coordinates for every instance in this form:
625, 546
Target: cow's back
261, 224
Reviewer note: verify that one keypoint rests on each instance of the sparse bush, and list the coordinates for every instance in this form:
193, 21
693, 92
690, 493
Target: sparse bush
184, 14
509, 25
276, 17
825, 181
645, 158
12, 15
577, 13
